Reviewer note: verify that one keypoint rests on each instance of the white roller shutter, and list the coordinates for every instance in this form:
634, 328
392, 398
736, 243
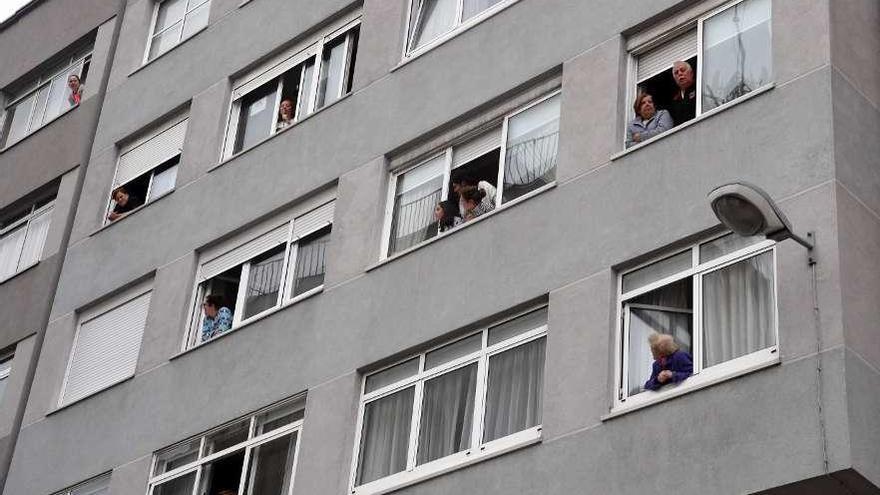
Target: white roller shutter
661, 58
476, 147
150, 153
106, 349
314, 220
236, 256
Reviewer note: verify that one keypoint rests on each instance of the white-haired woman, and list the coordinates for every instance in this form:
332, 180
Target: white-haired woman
671, 364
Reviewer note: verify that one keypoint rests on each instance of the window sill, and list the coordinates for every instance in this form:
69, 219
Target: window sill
253, 319
16, 274
38, 129
166, 52
442, 39
453, 462
461, 227
129, 214
282, 131
724, 372
695, 120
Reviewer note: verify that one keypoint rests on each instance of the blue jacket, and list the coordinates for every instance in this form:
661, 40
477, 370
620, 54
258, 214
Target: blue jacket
679, 363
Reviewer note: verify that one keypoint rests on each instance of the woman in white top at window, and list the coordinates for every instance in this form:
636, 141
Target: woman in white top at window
285, 114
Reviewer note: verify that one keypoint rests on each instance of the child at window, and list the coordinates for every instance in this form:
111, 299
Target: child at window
671, 364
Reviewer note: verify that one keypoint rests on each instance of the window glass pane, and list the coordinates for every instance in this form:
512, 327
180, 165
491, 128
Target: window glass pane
195, 20
385, 436
32, 249
3, 382
170, 11
532, 145
474, 7
454, 350
738, 310
163, 182
515, 389
418, 192
264, 282
430, 19
176, 456
222, 474
177, 486
226, 437
163, 42
40, 109
271, 466
309, 271
280, 416
332, 71
656, 271
10, 251
392, 375
518, 325
447, 414
726, 245
306, 90
5, 370
257, 116
736, 52
60, 98
18, 117
99, 486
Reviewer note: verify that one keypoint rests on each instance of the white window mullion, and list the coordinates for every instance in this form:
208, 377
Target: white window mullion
346, 54
292, 468
697, 324
197, 481
459, 13
699, 81
502, 155
447, 173
389, 214
624, 374
412, 452
245, 471
480, 395
240, 297
276, 106
316, 77
285, 275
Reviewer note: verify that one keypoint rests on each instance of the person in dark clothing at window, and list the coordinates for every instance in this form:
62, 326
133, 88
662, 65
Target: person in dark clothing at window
125, 202
671, 364
683, 106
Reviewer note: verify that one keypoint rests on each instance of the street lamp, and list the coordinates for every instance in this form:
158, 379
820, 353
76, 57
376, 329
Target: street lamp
748, 210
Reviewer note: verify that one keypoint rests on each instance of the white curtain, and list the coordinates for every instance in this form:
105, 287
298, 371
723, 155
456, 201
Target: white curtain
447, 414
738, 309
10, 251
514, 396
532, 148
474, 7
385, 436
36, 238
270, 466
431, 19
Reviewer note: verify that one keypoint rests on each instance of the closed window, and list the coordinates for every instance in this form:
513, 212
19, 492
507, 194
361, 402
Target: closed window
717, 302
293, 85
515, 157
45, 98
22, 239
147, 169
430, 20
461, 401
175, 21
277, 264
712, 60
255, 455
107, 344
95, 486
5, 370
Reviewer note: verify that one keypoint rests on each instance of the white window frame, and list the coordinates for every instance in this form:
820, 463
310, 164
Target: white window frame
254, 440
285, 293
181, 38
702, 377
458, 26
275, 68
35, 211
447, 152
692, 19
478, 450
77, 59
74, 490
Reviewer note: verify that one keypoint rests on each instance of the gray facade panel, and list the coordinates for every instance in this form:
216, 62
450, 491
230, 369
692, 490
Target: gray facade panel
863, 402
855, 44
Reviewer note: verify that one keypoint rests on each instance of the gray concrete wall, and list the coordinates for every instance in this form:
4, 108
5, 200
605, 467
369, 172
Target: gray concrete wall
745, 435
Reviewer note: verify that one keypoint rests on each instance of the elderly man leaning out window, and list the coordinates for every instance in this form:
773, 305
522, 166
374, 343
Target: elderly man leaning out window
671, 364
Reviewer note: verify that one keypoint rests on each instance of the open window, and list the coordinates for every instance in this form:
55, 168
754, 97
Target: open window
717, 299
274, 264
147, 168
727, 51
255, 455
173, 22
99, 485
431, 21
22, 237
468, 399
39, 101
513, 158
292, 86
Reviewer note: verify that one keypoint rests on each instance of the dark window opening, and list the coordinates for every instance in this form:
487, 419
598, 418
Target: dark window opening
352, 56
256, 116
225, 286
481, 169
264, 282
223, 476
310, 253
662, 88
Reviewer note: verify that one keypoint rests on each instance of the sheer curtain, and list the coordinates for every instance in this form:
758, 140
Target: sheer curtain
431, 19
514, 396
36, 238
385, 436
532, 146
10, 251
447, 414
738, 307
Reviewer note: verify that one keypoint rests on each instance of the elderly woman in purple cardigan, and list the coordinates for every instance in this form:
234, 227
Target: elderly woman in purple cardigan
671, 364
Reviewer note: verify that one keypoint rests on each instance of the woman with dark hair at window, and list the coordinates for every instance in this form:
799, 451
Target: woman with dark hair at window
76, 90
475, 202
648, 122
445, 218
218, 318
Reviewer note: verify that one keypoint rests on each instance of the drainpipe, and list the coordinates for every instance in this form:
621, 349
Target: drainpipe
88, 142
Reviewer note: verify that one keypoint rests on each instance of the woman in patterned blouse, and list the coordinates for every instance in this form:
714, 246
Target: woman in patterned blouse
218, 318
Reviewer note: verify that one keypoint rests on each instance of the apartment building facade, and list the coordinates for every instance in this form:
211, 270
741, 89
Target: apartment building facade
257, 297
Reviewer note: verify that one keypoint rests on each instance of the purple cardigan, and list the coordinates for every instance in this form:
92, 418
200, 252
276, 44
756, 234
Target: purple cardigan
679, 363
